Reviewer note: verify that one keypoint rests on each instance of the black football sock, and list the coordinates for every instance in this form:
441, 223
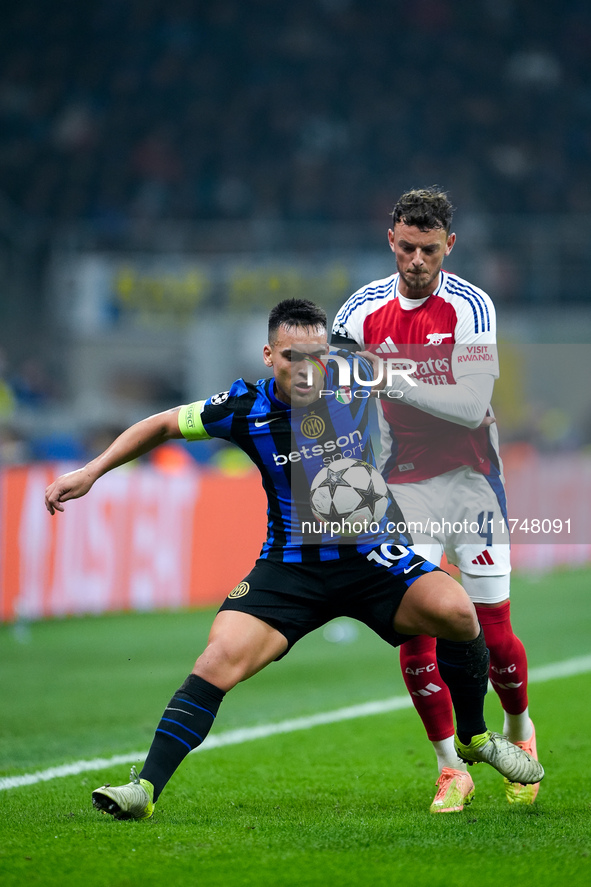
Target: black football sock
463, 665
186, 721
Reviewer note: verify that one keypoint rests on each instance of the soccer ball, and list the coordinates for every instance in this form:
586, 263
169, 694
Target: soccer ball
351, 491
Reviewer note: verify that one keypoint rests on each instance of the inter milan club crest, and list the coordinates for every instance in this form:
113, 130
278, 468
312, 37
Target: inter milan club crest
241, 589
313, 426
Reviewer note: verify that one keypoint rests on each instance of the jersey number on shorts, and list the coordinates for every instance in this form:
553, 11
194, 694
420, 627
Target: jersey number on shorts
389, 556
485, 525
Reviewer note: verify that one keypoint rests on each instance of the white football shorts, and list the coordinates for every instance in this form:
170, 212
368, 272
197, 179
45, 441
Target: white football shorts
459, 513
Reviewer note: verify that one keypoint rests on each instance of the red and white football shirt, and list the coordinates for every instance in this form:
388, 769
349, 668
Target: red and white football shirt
450, 333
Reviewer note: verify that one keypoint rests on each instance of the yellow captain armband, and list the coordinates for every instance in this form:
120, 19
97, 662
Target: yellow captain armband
190, 424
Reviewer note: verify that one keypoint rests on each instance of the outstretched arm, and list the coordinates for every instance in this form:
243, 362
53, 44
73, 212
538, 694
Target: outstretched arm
465, 403
135, 441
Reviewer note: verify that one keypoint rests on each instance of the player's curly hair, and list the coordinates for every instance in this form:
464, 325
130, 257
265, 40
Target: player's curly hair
425, 208
298, 313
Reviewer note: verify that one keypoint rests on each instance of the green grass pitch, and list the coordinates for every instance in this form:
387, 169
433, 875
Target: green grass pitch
344, 803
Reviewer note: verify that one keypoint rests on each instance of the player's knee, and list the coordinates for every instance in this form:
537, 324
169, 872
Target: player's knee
222, 666
459, 621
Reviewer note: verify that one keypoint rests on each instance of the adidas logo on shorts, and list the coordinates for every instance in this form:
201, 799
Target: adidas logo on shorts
484, 559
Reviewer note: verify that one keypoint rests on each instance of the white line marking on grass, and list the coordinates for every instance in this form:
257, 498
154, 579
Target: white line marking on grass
569, 668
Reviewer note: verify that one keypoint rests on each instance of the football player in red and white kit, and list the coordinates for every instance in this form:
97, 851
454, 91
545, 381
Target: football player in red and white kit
440, 456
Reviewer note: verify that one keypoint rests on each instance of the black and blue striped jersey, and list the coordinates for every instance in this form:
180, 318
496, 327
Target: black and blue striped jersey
289, 446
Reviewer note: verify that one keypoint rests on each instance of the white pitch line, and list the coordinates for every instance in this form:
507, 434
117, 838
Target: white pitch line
568, 668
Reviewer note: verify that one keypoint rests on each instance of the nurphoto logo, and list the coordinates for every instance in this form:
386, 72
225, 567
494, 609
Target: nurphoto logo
388, 369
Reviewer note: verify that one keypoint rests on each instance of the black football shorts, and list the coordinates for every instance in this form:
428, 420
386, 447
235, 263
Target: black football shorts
297, 598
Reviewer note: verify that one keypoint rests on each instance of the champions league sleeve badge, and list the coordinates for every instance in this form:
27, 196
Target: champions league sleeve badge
222, 397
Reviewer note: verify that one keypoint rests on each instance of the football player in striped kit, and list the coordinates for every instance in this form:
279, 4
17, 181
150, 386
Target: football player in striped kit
290, 433
440, 456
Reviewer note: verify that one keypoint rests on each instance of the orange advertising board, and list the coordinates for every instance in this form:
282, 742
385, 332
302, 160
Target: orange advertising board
151, 537
143, 539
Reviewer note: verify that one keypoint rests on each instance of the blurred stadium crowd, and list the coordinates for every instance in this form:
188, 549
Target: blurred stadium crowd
114, 112
114, 109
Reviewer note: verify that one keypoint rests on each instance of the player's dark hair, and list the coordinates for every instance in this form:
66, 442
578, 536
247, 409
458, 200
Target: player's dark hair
425, 208
295, 313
